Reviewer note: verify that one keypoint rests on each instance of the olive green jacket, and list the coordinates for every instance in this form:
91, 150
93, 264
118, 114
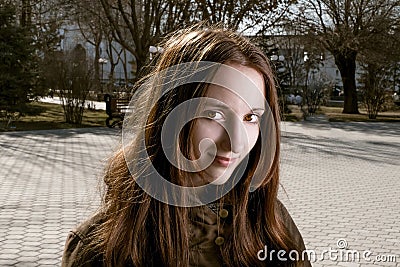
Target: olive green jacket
207, 237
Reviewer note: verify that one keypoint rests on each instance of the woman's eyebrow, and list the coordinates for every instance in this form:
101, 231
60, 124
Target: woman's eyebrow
258, 111
224, 106
216, 104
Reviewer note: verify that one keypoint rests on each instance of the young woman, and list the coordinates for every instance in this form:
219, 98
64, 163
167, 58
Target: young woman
195, 182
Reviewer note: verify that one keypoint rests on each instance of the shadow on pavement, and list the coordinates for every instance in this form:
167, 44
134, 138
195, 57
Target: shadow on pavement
60, 148
64, 133
377, 128
375, 152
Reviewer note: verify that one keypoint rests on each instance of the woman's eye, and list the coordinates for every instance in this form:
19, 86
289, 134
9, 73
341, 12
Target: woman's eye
253, 118
215, 115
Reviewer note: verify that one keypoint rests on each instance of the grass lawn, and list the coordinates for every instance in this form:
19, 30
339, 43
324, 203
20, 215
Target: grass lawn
334, 114
45, 116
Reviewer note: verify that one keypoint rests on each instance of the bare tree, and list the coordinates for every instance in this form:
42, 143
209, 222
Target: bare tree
116, 55
69, 73
92, 29
379, 62
138, 24
293, 51
376, 80
344, 28
90, 19
244, 13
300, 56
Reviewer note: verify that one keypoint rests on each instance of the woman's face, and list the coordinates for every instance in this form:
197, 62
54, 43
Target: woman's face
230, 119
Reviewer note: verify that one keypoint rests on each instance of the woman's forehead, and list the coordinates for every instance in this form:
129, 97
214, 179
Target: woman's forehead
221, 97
238, 85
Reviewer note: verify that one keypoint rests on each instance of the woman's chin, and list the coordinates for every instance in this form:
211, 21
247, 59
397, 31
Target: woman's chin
221, 179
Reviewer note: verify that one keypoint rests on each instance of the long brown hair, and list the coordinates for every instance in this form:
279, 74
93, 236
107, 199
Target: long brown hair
139, 230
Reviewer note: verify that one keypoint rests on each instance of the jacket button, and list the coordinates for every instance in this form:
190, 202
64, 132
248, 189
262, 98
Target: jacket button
219, 240
223, 213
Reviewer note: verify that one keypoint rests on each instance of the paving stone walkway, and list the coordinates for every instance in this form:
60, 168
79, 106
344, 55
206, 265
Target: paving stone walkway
342, 184
341, 181
48, 184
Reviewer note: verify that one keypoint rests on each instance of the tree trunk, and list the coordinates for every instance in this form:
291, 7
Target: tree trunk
346, 62
124, 66
26, 13
140, 63
97, 77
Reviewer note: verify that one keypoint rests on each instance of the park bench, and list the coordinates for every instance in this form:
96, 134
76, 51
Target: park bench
116, 108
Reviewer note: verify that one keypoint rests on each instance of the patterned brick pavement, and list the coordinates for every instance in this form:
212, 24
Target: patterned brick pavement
48, 183
341, 181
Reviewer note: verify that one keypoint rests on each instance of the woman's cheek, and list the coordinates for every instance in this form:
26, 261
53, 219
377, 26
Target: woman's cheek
205, 129
253, 133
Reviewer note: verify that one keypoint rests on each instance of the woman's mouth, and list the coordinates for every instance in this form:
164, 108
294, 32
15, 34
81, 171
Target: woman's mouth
224, 161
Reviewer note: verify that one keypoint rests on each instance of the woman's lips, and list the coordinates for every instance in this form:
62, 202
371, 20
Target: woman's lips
223, 161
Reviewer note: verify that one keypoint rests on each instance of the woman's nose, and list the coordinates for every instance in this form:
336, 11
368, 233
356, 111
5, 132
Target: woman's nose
235, 136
